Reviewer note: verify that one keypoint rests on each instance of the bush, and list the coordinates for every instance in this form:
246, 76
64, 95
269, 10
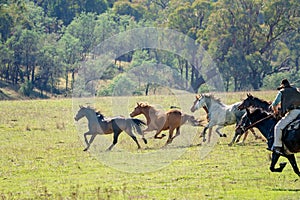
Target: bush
26, 88
273, 81
120, 86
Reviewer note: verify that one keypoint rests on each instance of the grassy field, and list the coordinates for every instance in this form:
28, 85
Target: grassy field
42, 158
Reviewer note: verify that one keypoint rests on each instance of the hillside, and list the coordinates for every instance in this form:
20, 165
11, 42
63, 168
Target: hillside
10, 92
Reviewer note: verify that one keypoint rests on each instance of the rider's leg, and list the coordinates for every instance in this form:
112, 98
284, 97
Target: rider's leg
288, 118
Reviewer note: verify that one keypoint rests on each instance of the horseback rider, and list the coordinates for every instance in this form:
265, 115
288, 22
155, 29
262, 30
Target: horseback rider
289, 98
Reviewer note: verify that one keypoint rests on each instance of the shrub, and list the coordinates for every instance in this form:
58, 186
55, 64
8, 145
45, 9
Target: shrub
26, 88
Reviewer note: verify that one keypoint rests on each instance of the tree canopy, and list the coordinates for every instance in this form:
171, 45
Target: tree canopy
253, 43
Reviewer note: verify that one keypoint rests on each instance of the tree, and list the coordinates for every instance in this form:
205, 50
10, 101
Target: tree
83, 28
69, 50
127, 8
24, 46
244, 33
50, 65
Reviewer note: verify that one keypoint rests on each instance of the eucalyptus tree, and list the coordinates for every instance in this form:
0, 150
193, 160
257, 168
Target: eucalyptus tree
243, 34
50, 65
69, 49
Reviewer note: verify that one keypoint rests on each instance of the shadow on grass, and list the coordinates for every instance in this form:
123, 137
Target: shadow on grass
285, 190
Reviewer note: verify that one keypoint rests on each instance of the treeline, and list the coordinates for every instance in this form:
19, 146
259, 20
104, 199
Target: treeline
254, 43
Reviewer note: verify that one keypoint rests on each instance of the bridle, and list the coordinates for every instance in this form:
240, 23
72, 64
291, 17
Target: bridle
253, 124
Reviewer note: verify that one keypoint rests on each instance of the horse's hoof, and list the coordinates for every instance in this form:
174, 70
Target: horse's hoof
204, 140
224, 135
163, 135
241, 143
85, 149
145, 141
230, 144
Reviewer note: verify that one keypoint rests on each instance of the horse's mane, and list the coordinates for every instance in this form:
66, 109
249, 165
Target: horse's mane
98, 112
258, 99
211, 96
144, 104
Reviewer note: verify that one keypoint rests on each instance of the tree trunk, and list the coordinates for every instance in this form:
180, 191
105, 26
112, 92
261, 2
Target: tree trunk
67, 81
147, 89
32, 75
73, 79
186, 70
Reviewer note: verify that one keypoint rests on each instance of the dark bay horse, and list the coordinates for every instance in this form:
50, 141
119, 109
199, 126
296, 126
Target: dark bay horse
255, 102
159, 121
98, 124
265, 122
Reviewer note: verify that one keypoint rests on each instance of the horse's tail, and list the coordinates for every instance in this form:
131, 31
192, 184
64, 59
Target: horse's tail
137, 124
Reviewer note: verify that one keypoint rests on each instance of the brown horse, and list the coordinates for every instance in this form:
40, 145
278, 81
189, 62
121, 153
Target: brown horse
159, 121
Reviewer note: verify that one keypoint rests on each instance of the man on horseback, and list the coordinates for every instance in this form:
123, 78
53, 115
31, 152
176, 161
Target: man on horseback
289, 98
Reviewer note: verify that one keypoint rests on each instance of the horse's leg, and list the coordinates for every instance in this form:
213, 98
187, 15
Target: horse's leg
293, 162
159, 137
115, 141
244, 139
88, 143
209, 134
219, 133
275, 158
129, 132
177, 132
203, 133
169, 141
236, 137
256, 136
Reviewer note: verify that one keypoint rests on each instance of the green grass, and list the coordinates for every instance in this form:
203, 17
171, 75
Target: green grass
42, 158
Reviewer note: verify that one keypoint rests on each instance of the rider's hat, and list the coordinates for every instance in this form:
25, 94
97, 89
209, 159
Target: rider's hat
284, 84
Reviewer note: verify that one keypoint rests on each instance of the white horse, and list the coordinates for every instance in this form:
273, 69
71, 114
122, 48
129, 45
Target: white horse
219, 114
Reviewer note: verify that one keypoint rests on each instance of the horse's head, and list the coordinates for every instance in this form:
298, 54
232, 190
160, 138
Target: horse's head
80, 114
138, 109
247, 102
83, 112
198, 103
251, 117
245, 122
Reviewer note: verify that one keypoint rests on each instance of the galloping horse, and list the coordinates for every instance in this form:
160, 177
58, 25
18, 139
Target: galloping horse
220, 115
160, 121
265, 122
255, 102
97, 124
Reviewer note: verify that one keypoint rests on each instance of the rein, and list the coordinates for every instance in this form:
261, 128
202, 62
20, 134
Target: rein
252, 125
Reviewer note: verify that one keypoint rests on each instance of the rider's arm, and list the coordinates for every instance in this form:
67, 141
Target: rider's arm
276, 102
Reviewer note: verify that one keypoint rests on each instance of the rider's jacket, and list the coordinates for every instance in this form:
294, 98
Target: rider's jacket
290, 99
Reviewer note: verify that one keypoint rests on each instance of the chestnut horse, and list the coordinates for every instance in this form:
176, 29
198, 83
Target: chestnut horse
159, 121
